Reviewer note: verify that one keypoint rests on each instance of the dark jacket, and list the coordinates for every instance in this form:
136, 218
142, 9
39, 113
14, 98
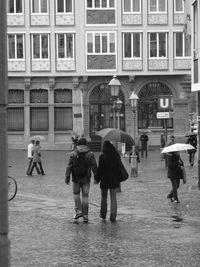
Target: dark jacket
108, 173
92, 165
174, 164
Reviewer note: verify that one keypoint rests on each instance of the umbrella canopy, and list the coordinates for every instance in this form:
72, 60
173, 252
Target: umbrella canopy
117, 135
187, 134
177, 147
37, 138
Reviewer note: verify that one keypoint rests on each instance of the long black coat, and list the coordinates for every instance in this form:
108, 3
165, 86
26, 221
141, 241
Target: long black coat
107, 173
174, 164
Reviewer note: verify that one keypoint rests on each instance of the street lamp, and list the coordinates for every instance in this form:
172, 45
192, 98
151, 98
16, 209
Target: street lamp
114, 85
134, 100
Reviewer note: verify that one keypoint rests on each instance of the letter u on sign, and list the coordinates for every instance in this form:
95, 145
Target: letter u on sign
164, 102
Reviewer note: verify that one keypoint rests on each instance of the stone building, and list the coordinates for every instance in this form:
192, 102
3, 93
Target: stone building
62, 55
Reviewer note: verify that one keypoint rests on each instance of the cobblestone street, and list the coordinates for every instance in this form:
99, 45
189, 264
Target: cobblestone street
149, 231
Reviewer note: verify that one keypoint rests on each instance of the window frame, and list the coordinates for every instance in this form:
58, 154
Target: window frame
157, 7
108, 42
16, 13
23, 43
132, 45
64, 8
132, 11
157, 46
183, 45
40, 45
175, 5
100, 5
40, 12
65, 44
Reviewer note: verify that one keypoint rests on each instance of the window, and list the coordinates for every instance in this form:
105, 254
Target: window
182, 45
178, 5
132, 5
15, 6
63, 118
65, 45
15, 46
101, 43
15, 115
157, 45
39, 6
157, 5
40, 46
132, 45
96, 4
64, 6
39, 119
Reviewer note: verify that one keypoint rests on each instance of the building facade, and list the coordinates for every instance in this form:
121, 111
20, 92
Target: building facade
63, 53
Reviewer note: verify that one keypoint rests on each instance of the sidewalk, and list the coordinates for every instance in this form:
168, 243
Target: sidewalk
150, 231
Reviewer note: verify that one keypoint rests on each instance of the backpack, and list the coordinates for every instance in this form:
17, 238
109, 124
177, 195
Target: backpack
80, 165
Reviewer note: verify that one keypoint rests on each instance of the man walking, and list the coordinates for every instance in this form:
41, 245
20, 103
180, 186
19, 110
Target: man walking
81, 162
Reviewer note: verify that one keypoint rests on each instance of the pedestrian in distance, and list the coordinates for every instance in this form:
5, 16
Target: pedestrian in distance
30, 157
144, 144
37, 158
81, 162
171, 140
192, 140
74, 142
175, 174
108, 176
162, 145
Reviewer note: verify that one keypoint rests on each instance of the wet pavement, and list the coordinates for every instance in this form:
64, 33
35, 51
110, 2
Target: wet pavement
149, 231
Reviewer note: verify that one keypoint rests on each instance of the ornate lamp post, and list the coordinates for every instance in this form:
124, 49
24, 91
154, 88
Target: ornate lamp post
134, 100
114, 85
118, 105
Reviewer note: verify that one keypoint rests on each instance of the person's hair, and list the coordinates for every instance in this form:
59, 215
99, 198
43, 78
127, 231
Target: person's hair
37, 142
33, 141
82, 141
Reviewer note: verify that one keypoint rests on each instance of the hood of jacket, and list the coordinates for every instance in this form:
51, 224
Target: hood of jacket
83, 148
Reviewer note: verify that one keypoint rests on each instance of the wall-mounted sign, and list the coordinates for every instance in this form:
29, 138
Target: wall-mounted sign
165, 102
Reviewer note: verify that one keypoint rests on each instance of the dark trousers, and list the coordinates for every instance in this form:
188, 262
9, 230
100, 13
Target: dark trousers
30, 165
34, 165
113, 203
144, 150
191, 158
175, 185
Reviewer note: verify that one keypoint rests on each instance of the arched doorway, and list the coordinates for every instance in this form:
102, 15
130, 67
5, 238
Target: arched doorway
148, 106
101, 112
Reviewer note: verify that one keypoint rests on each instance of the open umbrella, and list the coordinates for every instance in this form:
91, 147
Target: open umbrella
187, 134
177, 147
37, 138
117, 135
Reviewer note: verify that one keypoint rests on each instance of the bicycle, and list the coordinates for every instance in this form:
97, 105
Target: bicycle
12, 187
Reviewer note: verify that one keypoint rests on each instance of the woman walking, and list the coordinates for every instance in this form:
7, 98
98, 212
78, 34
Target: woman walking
37, 158
175, 173
108, 176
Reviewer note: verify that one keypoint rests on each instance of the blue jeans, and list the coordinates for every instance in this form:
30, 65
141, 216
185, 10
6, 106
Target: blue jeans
81, 206
113, 203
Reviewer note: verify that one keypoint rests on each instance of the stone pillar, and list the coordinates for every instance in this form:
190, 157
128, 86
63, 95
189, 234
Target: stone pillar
180, 117
27, 84
51, 133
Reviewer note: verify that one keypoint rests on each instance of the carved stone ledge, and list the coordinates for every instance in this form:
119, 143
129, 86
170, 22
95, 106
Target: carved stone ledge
132, 78
52, 82
75, 81
27, 83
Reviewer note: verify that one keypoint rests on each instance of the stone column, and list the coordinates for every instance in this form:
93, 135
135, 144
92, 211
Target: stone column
51, 134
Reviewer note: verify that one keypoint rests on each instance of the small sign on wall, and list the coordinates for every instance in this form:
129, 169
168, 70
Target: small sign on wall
77, 115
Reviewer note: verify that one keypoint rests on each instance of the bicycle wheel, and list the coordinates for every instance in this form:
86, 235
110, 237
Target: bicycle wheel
12, 188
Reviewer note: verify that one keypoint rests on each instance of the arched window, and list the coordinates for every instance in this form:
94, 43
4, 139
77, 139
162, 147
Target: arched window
148, 106
101, 109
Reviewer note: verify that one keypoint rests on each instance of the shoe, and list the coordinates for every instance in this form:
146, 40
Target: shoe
77, 216
177, 201
85, 219
102, 217
170, 197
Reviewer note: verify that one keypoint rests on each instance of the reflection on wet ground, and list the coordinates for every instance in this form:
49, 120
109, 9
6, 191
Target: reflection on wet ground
149, 231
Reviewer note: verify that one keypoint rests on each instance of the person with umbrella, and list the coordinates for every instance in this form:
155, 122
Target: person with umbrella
174, 173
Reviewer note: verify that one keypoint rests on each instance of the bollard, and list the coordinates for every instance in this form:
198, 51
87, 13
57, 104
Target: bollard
134, 165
